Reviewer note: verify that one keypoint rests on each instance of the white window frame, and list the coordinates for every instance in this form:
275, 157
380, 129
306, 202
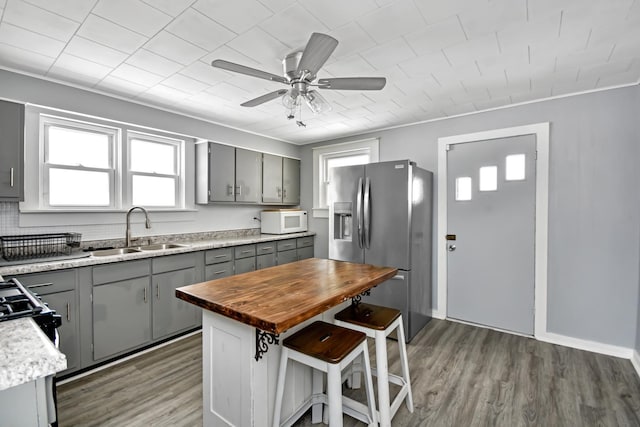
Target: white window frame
114, 135
178, 146
321, 156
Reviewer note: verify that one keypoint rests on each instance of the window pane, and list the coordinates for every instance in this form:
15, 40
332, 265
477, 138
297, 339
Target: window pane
154, 191
463, 188
488, 178
153, 157
514, 167
357, 159
78, 147
78, 188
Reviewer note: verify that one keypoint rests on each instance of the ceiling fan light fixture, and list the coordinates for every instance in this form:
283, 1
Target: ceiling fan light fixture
291, 99
316, 102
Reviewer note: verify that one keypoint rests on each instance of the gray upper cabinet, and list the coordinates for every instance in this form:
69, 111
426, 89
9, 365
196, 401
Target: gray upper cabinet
290, 181
227, 174
12, 148
280, 180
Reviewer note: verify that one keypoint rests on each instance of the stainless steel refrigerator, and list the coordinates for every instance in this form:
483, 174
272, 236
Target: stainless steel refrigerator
381, 214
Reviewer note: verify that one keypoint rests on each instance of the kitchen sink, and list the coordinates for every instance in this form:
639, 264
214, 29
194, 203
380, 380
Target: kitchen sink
111, 252
160, 247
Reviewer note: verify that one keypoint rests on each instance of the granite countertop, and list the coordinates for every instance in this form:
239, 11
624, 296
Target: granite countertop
26, 353
192, 246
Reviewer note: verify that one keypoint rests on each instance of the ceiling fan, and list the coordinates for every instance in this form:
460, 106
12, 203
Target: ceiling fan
300, 69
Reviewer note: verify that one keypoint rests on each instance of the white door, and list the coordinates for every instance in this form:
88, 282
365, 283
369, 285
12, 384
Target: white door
491, 232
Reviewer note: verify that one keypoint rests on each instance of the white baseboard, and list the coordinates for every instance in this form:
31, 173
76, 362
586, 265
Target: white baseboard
436, 314
593, 346
635, 361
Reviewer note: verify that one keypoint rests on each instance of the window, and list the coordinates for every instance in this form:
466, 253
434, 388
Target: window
327, 157
515, 167
85, 166
463, 188
488, 180
78, 167
153, 170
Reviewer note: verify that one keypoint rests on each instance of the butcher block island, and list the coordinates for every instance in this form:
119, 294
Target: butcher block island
244, 317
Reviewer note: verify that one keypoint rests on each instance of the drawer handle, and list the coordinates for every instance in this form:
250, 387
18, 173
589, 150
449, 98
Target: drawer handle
245, 252
40, 285
266, 248
145, 294
68, 313
220, 256
220, 272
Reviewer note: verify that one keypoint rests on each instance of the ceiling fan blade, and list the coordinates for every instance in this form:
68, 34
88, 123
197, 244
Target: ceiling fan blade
237, 68
319, 48
264, 98
353, 83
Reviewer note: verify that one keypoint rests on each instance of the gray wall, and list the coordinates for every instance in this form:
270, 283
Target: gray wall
594, 205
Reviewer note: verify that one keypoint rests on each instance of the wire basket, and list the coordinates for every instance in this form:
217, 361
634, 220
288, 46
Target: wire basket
38, 245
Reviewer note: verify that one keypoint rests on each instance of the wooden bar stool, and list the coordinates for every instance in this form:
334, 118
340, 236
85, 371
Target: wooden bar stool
328, 348
378, 322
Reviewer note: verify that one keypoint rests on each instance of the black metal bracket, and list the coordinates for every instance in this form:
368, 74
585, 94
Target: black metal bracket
356, 300
263, 339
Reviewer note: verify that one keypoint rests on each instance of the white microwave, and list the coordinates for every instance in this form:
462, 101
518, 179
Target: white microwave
282, 221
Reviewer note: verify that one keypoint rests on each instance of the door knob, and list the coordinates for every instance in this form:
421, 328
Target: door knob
452, 248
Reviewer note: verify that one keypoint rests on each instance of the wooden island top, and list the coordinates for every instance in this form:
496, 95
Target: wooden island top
277, 298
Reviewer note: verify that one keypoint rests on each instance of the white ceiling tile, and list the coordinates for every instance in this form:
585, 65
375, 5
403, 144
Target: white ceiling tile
120, 86
425, 65
30, 41
170, 7
133, 14
76, 10
232, 55
39, 20
495, 16
164, 93
497, 63
434, 37
352, 66
276, 5
543, 31
230, 93
205, 73
491, 103
151, 62
254, 86
354, 100
351, 39
586, 57
393, 21
92, 51
335, 13
438, 10
109, 34
630, 75
262, 47
174, 48
408, 86
87, 70
388, 54
18, 58
200, 30
293, 26
598, 71
468, 51
237, 15
185, 84
137, 75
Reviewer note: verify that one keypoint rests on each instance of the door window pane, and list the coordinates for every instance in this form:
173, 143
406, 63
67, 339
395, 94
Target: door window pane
153, 191
488, 178
153, 157
463, 188
74, 147
78, 188
514, 167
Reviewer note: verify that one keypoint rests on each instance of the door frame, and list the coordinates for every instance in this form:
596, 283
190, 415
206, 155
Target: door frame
541, 132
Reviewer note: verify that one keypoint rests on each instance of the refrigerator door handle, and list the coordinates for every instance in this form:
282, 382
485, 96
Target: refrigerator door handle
359, 214
367, 213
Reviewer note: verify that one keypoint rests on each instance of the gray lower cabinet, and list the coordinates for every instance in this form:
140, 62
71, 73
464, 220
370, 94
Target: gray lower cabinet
265, 255
170, 314
218, 263
304, 247
285, 257
121, 316
244, 259
291, 250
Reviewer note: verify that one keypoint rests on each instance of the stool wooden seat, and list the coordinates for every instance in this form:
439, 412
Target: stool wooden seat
328, 348
378, 322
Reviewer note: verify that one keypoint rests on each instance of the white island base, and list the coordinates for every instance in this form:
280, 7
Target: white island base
240, 391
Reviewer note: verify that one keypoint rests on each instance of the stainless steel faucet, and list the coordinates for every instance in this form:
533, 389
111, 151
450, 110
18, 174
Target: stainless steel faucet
147, 223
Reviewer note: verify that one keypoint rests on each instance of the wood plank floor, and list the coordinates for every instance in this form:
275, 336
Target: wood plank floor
461, 376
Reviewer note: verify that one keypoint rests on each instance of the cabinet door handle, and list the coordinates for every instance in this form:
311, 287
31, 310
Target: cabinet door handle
157, 291
229, 190
238, 190
279, 191
11, 178
145, 294
284, 193
68, 313
40, 285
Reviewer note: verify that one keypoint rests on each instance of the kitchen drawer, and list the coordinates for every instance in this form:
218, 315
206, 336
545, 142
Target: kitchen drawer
304, 253
172, 263
245, 251
245, 265
265, 248
286, 245
266, 260
304, 242
218, 271
49, 282
215, 256
120, 271
285, 257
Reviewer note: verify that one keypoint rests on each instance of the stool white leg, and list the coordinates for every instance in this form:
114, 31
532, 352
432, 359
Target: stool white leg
383, 379
404, 361
282, 376
368, 385
317, 387
334, 392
